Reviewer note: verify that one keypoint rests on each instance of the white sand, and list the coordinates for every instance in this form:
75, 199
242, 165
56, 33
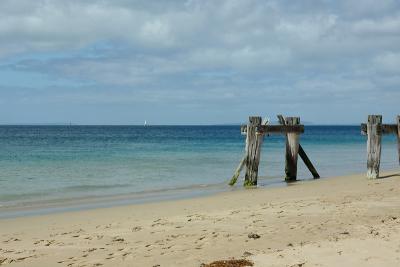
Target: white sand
341, 221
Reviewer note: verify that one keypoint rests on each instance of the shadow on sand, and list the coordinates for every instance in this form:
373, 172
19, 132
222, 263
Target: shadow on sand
390, 175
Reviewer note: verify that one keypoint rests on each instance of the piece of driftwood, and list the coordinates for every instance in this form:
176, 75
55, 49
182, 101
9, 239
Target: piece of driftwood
374, 133
292, 150
253, 151
302, 154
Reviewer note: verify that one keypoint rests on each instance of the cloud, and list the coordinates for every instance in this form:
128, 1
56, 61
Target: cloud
198, 53
388, 62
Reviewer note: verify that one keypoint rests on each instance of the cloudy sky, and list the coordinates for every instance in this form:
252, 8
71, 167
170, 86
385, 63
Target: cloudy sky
198, 62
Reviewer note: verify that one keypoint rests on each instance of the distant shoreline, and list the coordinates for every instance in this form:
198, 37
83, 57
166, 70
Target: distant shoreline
167, 125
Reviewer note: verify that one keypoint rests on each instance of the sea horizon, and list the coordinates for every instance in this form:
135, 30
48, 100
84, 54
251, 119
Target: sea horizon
147, 125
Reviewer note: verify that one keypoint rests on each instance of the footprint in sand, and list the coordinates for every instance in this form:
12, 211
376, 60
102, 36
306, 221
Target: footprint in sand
136, 229
49, 242
118, 239
11, 240
125, 254
90, 250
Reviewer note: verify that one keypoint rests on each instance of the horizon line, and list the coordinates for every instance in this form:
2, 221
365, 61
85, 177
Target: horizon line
149, 125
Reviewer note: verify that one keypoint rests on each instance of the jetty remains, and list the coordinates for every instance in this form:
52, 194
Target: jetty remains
255, 131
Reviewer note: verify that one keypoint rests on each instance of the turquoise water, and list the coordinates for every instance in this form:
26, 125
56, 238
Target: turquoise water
44, 164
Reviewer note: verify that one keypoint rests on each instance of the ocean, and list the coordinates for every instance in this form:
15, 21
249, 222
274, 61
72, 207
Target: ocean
49, 168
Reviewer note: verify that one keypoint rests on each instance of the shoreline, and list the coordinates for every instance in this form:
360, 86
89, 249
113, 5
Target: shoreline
346, 219
51, 206
107, 201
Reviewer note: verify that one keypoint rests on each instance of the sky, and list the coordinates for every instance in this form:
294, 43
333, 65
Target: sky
198, 61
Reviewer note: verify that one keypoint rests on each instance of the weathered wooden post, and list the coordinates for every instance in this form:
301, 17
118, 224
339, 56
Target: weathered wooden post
253, 151
292, 150
374, 132
302, 153
398, 135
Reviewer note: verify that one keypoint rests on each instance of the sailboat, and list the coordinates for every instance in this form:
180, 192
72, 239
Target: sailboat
145, 123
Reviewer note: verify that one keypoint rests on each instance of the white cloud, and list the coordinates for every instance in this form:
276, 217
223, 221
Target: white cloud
377, 27
388, 62
181, 50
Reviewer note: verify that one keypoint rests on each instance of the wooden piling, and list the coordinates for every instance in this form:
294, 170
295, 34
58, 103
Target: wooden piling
398, 136
292, 150
374, 132
253, 151
302, 153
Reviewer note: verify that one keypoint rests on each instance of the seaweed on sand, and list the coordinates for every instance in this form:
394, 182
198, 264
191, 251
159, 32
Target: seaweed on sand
228, 263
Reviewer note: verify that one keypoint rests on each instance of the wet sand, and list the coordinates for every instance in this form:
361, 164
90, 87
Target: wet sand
347, 221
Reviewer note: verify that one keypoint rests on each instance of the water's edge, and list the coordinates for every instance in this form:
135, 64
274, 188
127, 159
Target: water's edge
45, 169
87, 203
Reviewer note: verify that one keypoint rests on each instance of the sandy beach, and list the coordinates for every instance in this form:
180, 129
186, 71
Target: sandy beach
346, 221
199, 133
